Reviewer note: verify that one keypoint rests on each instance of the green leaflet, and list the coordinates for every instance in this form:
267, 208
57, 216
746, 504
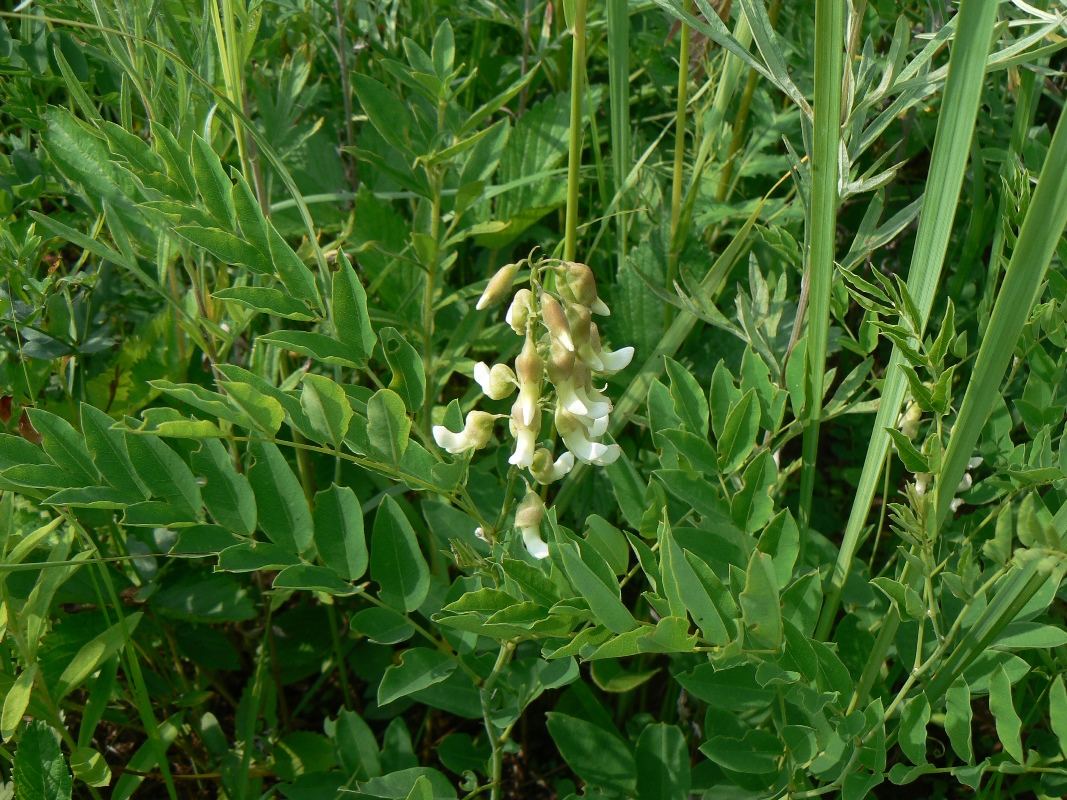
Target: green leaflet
339, 535
227, 494
281, 507
396, 562
39, 772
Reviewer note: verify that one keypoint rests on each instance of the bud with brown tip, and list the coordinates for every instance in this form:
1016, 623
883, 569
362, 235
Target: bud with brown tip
499, 285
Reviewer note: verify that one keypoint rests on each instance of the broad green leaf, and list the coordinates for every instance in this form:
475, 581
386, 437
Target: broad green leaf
313, 345
382, 625
662, 757
914, 461
108, 449
723, 396
310, 578
756, 753
629, 490
691, 591
958, 718
249, 213
690, 404
327, 408
90, 767
387, 114
913, 721
163, 471
604, 603
339, 534
254, 556
752, 507
39, 772
16, 451
267, 301
739, 432
227, 494
226, 247
598, 757
760, 607
1058, 711
409, 376
396, 562
419, 668
63, 444
16, 702
92, 654
697, 450
80, 156
282, 508
211, 181
1009, 726
350, 315
388, 425
298, 279
357, 749
263, 409
204, 399
781, 541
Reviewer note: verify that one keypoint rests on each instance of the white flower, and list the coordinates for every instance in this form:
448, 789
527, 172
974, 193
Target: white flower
908, 424
474, 436
525, 434
528, 518
497, 382
547, 471
615, 360
975, 462
922, 480
576, 437
966, 483
519, 311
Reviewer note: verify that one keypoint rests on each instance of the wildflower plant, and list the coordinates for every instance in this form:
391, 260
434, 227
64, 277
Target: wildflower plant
556, 377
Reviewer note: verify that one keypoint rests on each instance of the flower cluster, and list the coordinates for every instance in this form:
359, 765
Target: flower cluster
558, 372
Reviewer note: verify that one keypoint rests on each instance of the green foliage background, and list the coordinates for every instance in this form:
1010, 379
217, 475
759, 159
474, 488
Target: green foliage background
241, 247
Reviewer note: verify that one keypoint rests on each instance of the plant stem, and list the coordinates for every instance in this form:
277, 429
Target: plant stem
570, 245
679, 155
829, 67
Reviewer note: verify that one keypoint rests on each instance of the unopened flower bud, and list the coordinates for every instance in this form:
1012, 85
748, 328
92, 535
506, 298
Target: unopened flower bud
556, 320
580, 282
545, 470
497, 382
908, 424
966, 483
529, 369
477, 429
560, 363
922, 480
519, 311
528, 518
499, 285
580, 323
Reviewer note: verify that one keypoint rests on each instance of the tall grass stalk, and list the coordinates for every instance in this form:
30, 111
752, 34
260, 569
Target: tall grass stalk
619, 91
574, 163
678, 173
829, 66
959, 109
1042, 227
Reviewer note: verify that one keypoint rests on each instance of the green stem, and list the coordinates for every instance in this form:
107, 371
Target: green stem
497, 741
679, 154
427, 306
829, 68
574, 162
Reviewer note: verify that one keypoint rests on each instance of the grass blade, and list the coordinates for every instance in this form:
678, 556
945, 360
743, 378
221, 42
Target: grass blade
963, 90
619, 92
570, 246
829, 67
1041, 230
